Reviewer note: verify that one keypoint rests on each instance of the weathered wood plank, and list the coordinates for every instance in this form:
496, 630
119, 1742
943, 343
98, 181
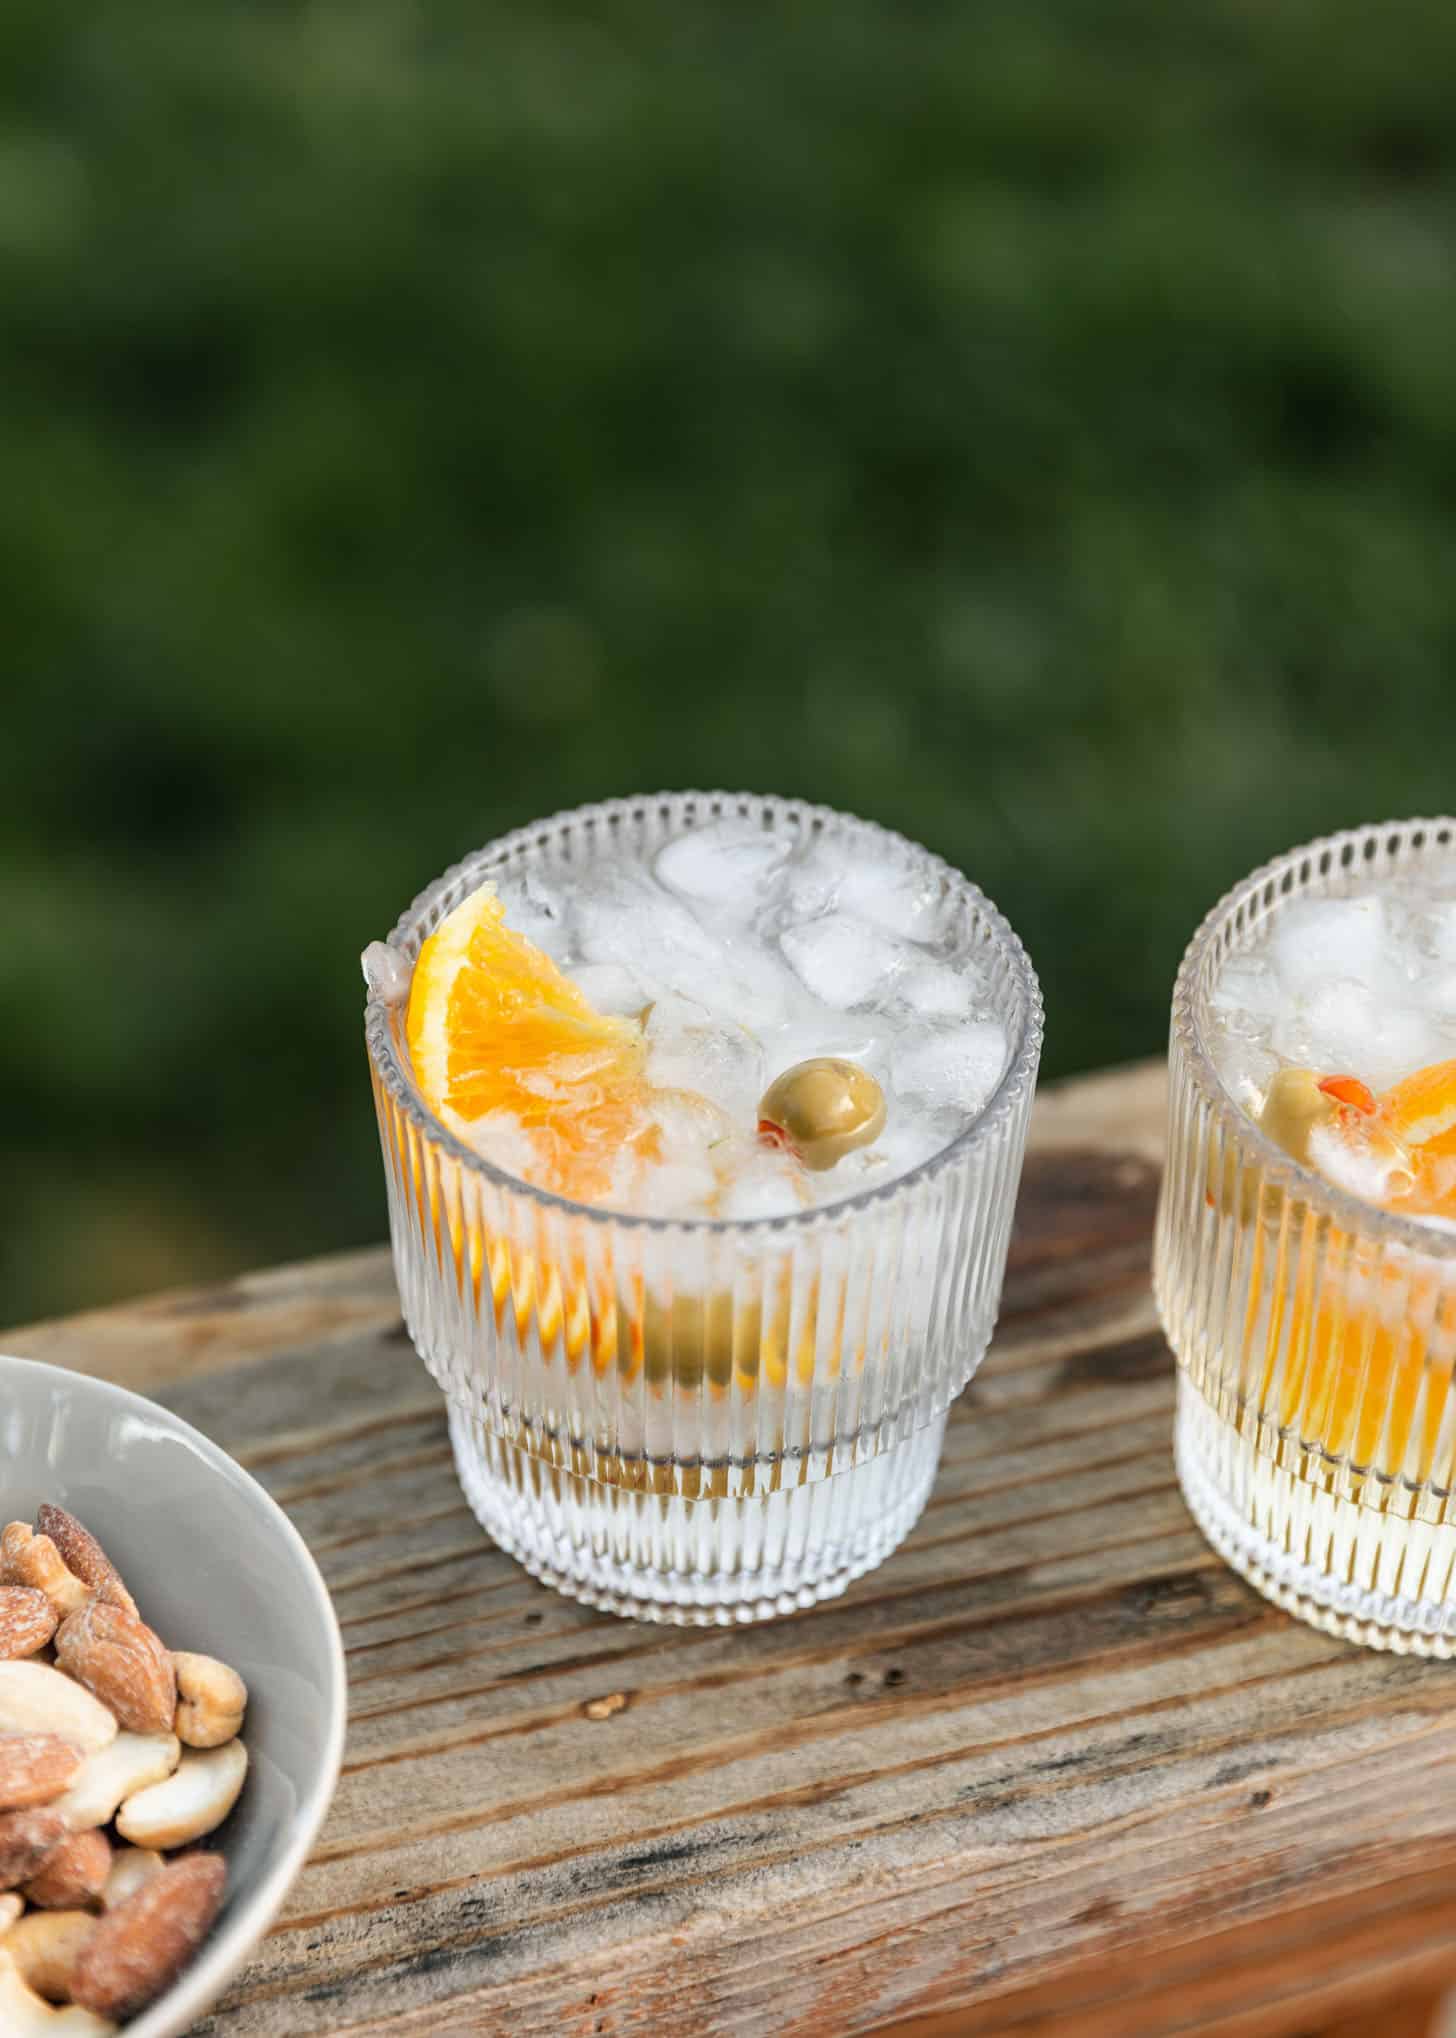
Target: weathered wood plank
1053, 1768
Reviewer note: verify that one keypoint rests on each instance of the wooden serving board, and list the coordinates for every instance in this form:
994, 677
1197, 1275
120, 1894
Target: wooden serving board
1051, 1768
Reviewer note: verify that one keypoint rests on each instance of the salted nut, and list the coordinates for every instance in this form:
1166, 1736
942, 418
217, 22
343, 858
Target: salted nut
27, 1621
120, 1661
131, 1763
211, 1700
29, 1559
191, 1802
138, 1949
84, 1555
821, 1110
46, 1946
35, 1699
73, 1874
130, 1868
24, 2014
35, 1768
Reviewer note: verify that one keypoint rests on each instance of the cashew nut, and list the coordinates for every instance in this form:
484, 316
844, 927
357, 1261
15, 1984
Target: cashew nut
211, 1700
11, 1907
45, 1947
130, 1868
191, 1802
35, 1699
29, 1559
24, 2014
130, 1763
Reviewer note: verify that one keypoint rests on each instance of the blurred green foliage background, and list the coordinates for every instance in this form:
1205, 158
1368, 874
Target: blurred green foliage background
1032, 424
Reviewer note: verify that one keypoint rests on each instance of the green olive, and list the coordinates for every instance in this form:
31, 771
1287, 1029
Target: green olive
1294, 1104
822, 1109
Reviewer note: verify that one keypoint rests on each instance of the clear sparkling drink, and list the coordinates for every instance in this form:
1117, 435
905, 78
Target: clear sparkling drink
704, 1225
1306, 1250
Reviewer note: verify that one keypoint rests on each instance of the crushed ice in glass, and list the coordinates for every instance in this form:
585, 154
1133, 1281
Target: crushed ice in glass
744, 952
1361, 984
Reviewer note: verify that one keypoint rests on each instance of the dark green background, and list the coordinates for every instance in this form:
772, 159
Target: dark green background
1031, 424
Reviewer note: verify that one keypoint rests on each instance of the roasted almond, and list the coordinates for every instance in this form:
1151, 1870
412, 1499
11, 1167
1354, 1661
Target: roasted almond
141, 1946
73, 1874
34, 1768
27, 1621
26, 1838
119, 1660
82, 1554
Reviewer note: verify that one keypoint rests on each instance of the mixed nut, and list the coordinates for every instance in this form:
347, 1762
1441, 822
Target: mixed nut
113, 1751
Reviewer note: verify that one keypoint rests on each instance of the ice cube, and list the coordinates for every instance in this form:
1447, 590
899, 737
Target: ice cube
1344, 1028
1328, 1028
689, 1049
1316, 939
611, 988
856, 879
954, 1068
1438, 997
625, 918
887, 895
536, 907
676, 1189
911, 1137
1249, 997
864, 1038
726, 866
841, 961
621, 917
766, 1185
936, 990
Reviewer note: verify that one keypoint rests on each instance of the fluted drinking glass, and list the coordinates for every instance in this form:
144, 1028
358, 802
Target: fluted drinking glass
1315, 1333
698, 1421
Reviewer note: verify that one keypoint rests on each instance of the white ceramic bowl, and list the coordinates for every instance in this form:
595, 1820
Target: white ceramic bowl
215, 1565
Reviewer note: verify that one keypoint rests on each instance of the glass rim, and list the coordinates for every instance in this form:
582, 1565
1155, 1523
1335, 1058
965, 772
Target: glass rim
1016, 1079
1347, 850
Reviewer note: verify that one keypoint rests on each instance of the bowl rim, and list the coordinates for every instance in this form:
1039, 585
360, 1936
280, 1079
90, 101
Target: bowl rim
1301, 870
1016, 1078
203, 1981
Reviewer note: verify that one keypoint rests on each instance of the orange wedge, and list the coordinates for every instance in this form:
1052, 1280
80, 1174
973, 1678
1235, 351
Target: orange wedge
1422, 1106
494, 1026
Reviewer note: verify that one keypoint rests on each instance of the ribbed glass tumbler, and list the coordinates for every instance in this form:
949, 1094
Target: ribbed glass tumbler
699, 1421
1315, 1333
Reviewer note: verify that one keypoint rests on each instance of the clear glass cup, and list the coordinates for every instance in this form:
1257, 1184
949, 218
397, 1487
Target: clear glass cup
1315, 1333
701, 1421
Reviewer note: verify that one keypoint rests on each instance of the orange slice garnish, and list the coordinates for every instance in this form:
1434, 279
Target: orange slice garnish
494, 1026
1422, 1106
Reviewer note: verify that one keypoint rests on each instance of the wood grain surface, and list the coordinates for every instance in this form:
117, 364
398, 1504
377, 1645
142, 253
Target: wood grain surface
1052, 1768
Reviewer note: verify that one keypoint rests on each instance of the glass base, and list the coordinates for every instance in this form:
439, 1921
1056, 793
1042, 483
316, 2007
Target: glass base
1371, 1575
694, 1563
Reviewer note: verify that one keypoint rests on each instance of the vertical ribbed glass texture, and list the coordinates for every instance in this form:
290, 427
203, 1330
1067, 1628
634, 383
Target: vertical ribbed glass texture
702, 1421
1315, 1334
